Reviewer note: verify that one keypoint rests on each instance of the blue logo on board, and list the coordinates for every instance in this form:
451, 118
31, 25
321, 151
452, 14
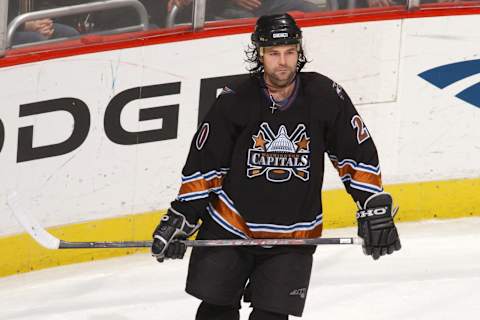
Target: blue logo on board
448, 74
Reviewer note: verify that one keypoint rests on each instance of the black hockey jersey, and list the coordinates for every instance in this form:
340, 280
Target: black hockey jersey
258, 173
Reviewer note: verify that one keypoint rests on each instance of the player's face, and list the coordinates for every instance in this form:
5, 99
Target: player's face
280, 64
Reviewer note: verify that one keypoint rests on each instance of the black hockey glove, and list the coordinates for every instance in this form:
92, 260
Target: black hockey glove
376, 226
173, 226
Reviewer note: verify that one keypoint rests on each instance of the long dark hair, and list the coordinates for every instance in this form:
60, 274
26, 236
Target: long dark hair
256, 66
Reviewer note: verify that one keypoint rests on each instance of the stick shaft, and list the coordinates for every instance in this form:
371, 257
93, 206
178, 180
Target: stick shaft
47, 240
212, 243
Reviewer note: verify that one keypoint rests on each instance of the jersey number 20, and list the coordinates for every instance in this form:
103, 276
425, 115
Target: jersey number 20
359, 126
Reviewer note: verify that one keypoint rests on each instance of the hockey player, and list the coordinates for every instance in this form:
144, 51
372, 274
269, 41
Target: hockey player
255, 170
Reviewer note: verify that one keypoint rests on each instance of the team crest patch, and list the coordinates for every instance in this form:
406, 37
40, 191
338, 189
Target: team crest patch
202, 136
279, 156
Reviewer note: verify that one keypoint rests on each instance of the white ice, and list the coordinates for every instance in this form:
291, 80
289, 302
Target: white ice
435, 276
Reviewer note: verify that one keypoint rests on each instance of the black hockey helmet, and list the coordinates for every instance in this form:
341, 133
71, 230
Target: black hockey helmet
277, 29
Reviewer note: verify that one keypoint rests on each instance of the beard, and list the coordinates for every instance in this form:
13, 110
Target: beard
280, 79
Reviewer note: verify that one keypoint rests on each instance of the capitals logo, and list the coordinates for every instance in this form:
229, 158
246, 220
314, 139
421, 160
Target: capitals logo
279, 156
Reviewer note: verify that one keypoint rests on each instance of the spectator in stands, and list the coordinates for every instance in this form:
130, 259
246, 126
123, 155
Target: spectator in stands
347, 4
213, 7
254, 8
234, 9
185, 14
178, 3
387, 3
126, 16
38, 30
111, 19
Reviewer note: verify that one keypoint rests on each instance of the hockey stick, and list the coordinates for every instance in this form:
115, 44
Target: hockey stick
47, 240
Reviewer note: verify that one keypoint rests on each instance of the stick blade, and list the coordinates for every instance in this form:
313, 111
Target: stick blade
34, 229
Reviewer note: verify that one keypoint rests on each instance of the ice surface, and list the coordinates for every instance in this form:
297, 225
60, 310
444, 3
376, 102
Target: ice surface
435, 276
